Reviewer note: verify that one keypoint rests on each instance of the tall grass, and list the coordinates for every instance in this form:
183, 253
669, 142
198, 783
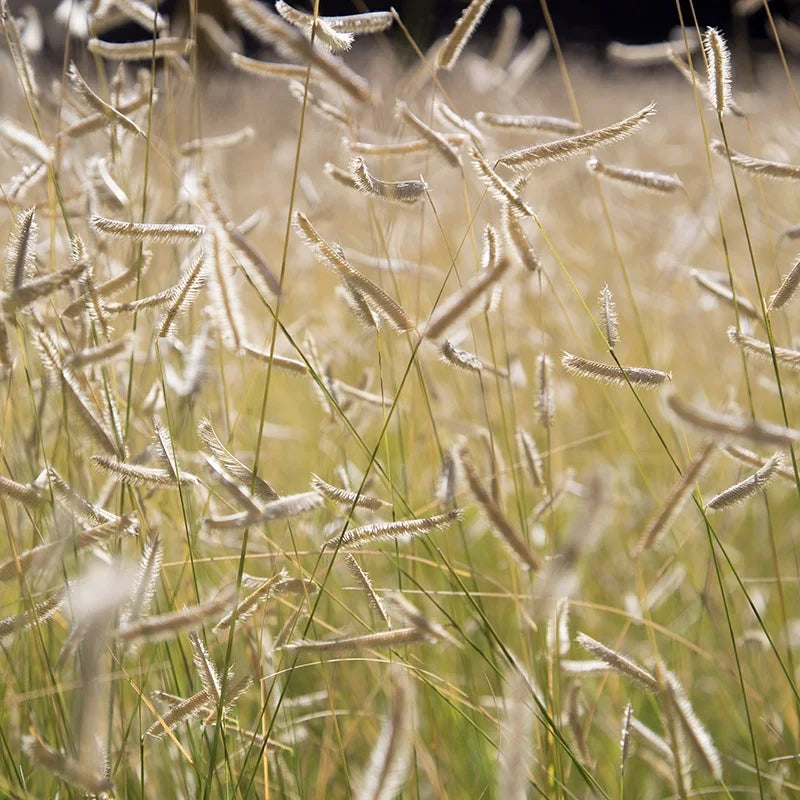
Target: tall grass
323, 471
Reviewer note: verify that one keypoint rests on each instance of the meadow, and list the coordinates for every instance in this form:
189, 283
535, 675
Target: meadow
384, 421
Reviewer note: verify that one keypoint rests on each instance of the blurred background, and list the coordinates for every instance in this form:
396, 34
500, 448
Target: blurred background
591, 24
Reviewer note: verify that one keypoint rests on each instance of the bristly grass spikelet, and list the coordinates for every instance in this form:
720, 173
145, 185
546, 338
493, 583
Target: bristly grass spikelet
437, 140
751, 459
760, 167
163, 47
500, 522
723, 292
744, 490
345, 497
459, 303
788, 288
545, 402
404, 192
675, 500
761, 349
363, 580
527, 159
653, 181
528, 122
324, 33
719, 70
644, 377
401, 529
619, 663
530, 454
170, 232
498, 188
724, 425
76, 773
21, 251
608, 317
464, 28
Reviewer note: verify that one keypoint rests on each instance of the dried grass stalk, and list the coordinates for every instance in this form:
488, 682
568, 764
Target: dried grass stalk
404, 192
610, 373
760, 167
499, 189
723, 292
677, 496
500, 522
270, 29
390, 760
163, 47
345, 497
74, 772
140, 231
362, 579
761, 349
719, 70
788, 288
527, 159
749, 487
401, 529
459, 303
724, 425
165, 626
461, 33
528, 122
438, 140
653, 181
619, 663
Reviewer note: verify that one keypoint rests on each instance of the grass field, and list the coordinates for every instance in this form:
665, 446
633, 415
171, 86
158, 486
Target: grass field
394, 430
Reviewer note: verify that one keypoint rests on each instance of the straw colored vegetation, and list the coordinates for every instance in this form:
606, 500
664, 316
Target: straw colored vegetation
372, 430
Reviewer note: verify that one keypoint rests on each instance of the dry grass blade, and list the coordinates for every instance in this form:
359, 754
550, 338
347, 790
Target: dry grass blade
404, 192
163, 47
262, 491
352, 644
165, 626
363, 580
29, 494
610, 373
138, 475
528, 159
438, 140
169, 232
52, 360
528, 122
390, 761
699, 738
461, 33
269, 28
751, 459
332, 257
619, 663
719, 70
459, 303
516, 748
760, 167
788, 288
723, 292
500, 522
400, 529
41, 612
677, 496
144, 584
345, 497
653, 181
761, 349
325, 34
21, 251
724, 425
75, 773
498, 188
749, 487
608, 317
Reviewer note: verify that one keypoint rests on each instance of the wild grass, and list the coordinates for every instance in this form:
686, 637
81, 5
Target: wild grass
260, 538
